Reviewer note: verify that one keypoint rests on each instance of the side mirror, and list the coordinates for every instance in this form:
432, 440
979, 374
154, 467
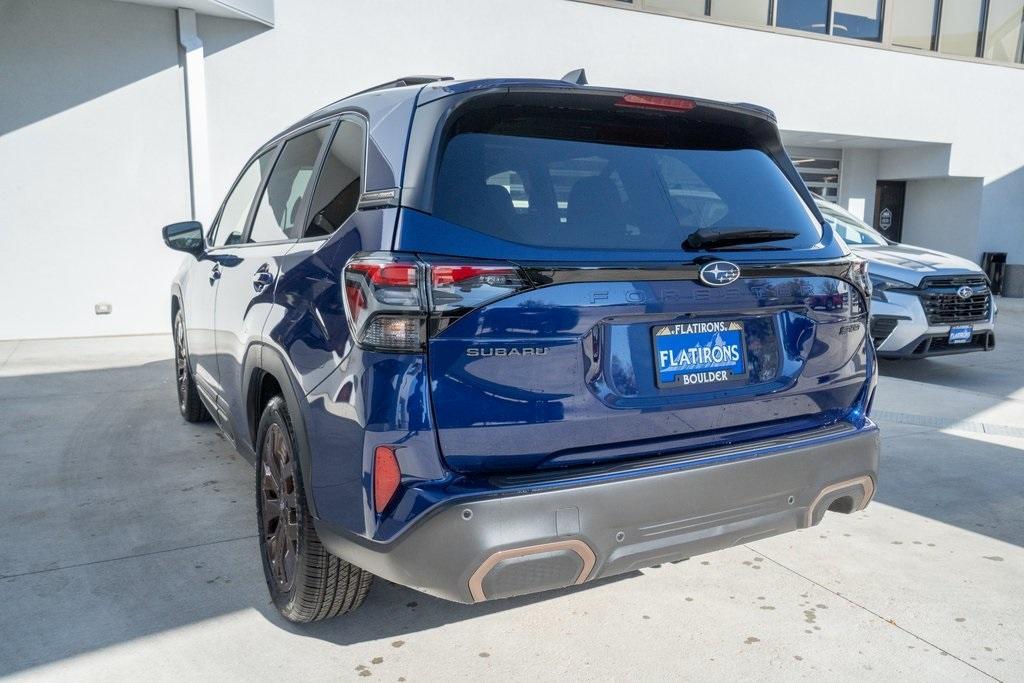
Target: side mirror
186, 236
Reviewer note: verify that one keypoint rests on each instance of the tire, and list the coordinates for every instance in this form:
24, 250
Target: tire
306, 582
189, 403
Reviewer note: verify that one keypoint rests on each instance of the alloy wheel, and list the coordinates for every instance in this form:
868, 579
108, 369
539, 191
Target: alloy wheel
279, 507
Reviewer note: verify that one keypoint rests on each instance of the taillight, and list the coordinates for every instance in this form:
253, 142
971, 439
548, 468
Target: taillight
387, 475
384, 302
391, 298
465, 286
858, 275
660, 102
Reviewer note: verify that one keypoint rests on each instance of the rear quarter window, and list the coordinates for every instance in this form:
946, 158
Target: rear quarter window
611, 180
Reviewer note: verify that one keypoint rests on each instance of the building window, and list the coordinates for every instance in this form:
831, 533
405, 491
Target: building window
860, 19
757, 12
803, 15
960, 27
690, 7
914, 23
988, 29
1003, 30
820, 171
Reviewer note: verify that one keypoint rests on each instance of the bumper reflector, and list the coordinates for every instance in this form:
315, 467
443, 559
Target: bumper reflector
386, 476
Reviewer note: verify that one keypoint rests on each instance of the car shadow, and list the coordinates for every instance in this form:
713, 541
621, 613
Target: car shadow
123, 522
393, 612
968, 483
134, 523
985, 373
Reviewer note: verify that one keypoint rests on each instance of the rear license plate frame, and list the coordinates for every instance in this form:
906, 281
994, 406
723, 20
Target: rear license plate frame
679, 336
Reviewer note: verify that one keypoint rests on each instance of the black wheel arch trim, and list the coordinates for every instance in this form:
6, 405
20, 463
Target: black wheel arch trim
260, 359
176, 295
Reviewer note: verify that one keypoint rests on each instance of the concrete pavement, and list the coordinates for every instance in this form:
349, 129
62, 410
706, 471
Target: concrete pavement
127, 550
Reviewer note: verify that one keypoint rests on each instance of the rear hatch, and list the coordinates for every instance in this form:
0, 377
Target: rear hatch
619, 276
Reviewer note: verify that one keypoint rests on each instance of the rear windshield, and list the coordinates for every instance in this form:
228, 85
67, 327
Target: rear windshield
611, 180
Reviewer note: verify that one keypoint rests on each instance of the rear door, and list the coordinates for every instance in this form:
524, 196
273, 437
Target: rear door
619, 342
225, 234
310, 272
249, 270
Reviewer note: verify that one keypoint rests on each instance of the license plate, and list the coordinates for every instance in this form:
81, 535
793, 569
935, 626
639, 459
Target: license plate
961, 334
699, 353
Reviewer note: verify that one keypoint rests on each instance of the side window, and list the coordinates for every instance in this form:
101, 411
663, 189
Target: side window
281, 202
850, 234
231, 226
339, 186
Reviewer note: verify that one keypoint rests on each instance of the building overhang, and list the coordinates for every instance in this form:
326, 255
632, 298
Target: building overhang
261, 11
804, 138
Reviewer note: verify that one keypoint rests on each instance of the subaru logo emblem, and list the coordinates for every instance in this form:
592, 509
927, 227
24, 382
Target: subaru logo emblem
719, 273
965, 292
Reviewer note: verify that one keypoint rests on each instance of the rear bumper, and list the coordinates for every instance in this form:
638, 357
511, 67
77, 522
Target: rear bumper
533, 540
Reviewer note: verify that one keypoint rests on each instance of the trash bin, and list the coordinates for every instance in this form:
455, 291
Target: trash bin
994, 265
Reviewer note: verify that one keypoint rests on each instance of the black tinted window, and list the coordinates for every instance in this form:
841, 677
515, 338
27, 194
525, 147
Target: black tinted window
231, 224
282, 200
339, 186
603, 182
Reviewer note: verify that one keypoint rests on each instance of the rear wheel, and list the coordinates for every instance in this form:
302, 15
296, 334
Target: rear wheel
189, 403
306, 582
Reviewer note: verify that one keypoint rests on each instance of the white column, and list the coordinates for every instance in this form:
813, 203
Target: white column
857, 182
195, 115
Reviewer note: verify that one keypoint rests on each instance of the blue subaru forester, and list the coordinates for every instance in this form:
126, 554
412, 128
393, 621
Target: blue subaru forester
486, 338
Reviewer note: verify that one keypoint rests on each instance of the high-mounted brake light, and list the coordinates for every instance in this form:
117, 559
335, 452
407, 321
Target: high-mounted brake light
387, 475
656, 102
392, 299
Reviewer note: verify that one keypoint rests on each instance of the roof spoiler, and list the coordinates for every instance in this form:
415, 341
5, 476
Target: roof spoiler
763, 111
579, 77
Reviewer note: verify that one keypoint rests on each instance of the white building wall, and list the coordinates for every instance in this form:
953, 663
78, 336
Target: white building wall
92, 163
113, 156
1002, 214
943, 213
962, 109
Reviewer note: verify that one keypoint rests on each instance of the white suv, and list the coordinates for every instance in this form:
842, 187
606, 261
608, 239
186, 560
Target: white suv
924, 302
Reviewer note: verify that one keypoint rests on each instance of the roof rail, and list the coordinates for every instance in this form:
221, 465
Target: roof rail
404, 81
397, 83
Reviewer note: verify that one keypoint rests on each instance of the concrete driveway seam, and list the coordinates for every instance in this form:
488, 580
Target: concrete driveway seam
870, 611
127, 557
948, 423
9, 354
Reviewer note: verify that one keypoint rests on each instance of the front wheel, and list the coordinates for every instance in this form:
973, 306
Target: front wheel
189, 403
306, 582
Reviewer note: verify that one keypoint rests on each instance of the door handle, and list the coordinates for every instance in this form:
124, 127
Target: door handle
215, 273
262, 279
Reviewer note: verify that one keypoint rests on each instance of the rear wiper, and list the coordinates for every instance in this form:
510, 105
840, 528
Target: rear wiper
709, 238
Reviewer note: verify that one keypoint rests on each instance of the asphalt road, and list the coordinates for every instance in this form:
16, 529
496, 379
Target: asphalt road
127, 550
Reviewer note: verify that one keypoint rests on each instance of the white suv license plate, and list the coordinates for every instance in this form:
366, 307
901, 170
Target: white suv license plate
961, 334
